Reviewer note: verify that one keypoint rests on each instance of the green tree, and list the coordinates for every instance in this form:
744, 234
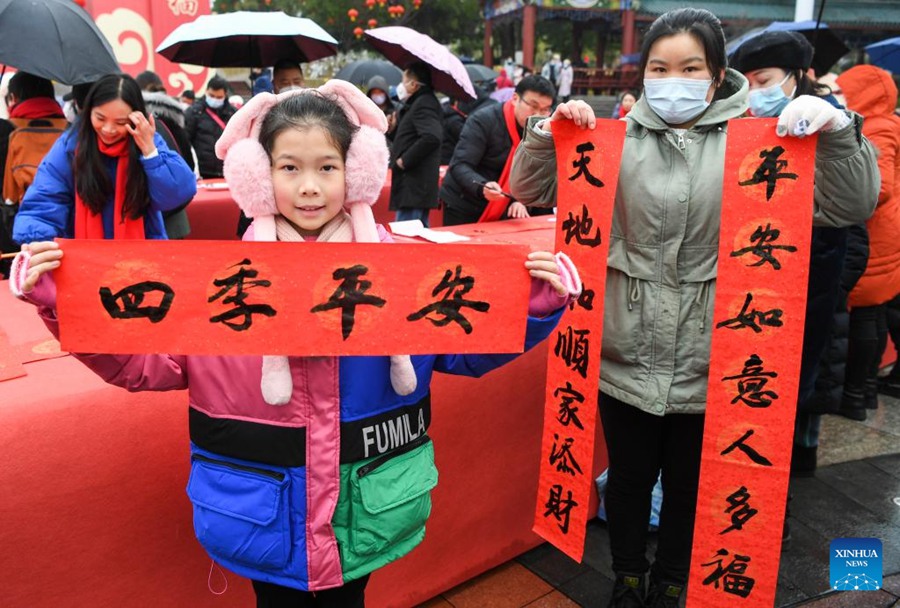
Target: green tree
457, 23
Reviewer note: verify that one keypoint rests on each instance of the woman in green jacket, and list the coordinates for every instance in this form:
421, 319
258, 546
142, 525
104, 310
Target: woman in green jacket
662, 270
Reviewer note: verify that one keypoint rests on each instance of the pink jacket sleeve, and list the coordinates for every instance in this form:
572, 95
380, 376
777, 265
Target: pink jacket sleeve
132, 372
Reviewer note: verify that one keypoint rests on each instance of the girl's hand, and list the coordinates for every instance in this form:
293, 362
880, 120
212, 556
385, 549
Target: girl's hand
517, 210
142, 130
575, 110
542, 265
45, 256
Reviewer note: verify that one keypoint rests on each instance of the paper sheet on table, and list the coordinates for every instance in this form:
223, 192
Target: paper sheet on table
417, 228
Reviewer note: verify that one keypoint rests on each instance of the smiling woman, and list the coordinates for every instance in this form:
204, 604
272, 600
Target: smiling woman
110, 176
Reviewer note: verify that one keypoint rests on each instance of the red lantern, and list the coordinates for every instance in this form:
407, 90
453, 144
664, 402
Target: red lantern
358, 32
370, 4
353, 14
417, 3
381, 3
373, 22
399, 10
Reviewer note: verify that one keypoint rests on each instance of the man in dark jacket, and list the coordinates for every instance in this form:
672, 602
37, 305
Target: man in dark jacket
479, 168
416, 151
204, 122
455, 115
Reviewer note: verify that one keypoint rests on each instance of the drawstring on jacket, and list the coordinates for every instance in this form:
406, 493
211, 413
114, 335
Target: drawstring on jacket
703, 299
634, 292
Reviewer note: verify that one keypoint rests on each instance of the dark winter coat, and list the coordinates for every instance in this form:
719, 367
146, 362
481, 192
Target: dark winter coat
204, 132
168, 111
480, 156
853, 249
455, 119
170, 126
418, 142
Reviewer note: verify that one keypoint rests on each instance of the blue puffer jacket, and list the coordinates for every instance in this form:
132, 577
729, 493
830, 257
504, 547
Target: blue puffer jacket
47, 211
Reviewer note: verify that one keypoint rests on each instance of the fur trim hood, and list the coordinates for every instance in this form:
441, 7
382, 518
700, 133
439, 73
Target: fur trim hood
164, 106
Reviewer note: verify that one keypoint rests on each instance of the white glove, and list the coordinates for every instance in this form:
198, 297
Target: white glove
808, 114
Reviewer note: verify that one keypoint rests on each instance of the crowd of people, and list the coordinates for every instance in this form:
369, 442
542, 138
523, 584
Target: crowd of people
127, 165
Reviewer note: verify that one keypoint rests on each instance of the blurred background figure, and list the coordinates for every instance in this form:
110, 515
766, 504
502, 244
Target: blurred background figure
287, 75
170, 126
188, 98
262, 84
871, 92
205, 121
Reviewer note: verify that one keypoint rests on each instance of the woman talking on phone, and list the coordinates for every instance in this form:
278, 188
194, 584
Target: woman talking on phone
110, 176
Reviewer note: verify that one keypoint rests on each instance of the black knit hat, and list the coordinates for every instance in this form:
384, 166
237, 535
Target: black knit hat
787, 50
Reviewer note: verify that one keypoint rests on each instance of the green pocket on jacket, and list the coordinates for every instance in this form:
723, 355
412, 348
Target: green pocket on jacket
390, 497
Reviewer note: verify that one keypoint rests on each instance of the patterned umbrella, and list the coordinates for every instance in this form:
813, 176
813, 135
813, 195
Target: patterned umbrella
402, 45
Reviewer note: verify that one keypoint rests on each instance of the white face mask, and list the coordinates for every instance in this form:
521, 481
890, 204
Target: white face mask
214, 102
402, 93
677, 100
769, 101
379, 98
290, 87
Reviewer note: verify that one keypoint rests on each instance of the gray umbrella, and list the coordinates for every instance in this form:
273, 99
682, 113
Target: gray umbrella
55, 39
360, 72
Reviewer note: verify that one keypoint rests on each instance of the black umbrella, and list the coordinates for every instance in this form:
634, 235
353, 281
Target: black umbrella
481, 73
247, 39
360, 72
55, 39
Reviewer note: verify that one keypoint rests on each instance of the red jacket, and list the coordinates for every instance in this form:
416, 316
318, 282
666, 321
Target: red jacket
871, 91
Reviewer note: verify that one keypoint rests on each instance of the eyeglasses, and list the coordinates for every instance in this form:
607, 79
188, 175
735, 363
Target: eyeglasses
538, 109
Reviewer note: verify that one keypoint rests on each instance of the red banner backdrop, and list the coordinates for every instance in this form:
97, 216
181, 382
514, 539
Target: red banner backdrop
587, 174
134, 28
213, 297
767, 206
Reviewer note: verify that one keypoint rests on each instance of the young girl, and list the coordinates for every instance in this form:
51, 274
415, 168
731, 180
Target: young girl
297, 497
662, 272
109, 176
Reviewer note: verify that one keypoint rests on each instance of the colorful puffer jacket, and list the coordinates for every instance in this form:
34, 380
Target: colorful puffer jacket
871, 92
320, 491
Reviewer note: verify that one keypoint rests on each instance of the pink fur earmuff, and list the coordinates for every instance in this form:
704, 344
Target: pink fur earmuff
247, 169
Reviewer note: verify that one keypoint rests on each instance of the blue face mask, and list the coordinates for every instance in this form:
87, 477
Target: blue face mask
770, 101
677, 100
214, 102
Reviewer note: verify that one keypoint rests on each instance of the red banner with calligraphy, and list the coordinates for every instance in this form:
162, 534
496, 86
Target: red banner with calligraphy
587, 175
757, 341
213, 297
134, 28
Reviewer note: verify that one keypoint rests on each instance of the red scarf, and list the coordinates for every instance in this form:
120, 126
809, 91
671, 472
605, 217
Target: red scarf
36, 107
495, 210
89, 225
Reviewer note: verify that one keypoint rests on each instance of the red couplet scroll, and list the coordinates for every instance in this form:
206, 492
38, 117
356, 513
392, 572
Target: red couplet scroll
302, 299
587, 174
757, 339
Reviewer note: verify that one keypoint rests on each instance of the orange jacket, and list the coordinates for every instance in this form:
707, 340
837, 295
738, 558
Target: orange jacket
871, 91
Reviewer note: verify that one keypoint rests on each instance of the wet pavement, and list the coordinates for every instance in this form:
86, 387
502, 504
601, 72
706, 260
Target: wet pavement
855, 492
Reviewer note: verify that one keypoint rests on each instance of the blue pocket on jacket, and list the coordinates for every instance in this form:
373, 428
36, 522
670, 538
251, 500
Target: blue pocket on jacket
241, 511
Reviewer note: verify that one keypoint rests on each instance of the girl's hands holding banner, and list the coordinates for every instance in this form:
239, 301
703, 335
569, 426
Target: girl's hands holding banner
34, 260
555, 282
